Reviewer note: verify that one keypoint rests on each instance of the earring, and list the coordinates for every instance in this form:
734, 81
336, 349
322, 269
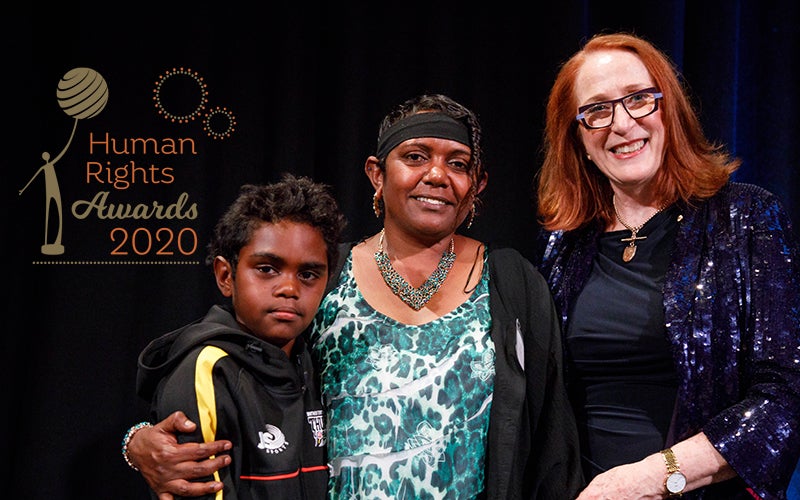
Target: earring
471, 216
376, 205
588, 157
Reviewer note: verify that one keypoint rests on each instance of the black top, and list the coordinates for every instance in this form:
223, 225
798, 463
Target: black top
622, 377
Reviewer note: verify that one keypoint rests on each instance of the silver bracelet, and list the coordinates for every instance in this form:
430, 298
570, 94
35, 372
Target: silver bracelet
127, 439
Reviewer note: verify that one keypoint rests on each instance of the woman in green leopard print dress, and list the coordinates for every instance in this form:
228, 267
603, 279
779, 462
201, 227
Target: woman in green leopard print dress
439, 357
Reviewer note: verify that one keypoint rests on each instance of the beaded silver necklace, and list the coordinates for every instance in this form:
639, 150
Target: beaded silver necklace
416, 298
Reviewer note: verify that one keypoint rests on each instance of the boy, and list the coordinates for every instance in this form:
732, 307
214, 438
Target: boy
244, 372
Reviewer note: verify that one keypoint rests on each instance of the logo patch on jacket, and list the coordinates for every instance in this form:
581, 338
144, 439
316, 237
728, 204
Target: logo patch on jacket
317, 423
272, 440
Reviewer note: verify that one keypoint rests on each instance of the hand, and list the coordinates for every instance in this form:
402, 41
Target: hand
637, 481
168, 466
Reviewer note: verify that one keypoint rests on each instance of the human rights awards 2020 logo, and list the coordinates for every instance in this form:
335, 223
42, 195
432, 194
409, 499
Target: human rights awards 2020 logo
83, 93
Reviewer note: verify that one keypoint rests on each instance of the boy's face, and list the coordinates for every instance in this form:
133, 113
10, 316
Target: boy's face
280, 281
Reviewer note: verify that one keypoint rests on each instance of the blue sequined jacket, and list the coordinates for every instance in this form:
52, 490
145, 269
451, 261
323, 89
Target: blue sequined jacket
732, 310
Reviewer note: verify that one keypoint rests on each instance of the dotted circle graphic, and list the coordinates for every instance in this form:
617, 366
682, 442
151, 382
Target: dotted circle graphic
203, 101
215, 114
218, 123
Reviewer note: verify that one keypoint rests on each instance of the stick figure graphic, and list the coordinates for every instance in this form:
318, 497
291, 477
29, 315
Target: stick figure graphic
82, 93
52, 196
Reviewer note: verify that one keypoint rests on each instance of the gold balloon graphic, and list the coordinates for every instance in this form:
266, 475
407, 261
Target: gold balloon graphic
82, 93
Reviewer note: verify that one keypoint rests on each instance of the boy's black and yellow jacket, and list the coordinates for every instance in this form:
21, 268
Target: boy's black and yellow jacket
238, 387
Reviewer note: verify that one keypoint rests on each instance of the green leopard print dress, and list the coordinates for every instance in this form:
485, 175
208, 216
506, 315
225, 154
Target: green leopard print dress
407, 405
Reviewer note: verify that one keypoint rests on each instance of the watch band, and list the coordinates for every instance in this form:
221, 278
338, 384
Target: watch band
671, 461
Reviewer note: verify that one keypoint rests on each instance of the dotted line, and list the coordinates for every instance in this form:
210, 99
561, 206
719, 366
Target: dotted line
115, 262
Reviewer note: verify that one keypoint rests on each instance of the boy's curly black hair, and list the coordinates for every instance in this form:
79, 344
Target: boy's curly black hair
298, 199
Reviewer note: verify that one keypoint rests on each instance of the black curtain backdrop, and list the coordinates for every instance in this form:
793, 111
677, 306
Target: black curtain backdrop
203, 99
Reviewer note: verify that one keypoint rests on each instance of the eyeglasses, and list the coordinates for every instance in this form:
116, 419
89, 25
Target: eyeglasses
638, 105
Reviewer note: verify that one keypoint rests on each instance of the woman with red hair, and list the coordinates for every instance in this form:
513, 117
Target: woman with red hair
678, 289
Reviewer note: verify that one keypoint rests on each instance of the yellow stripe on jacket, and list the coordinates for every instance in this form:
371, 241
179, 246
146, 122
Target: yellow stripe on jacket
204, 392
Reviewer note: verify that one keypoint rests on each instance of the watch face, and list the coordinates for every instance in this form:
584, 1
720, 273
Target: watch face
676, 482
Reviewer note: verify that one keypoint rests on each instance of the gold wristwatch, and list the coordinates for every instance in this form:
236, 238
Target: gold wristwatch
675, 481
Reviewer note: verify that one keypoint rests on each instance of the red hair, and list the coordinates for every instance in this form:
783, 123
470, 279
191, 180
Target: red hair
573, 192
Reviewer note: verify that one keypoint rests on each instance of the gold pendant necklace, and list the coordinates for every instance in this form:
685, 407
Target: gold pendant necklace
415, 298
630, 251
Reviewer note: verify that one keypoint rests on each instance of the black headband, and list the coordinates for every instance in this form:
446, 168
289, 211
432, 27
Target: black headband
437, 125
